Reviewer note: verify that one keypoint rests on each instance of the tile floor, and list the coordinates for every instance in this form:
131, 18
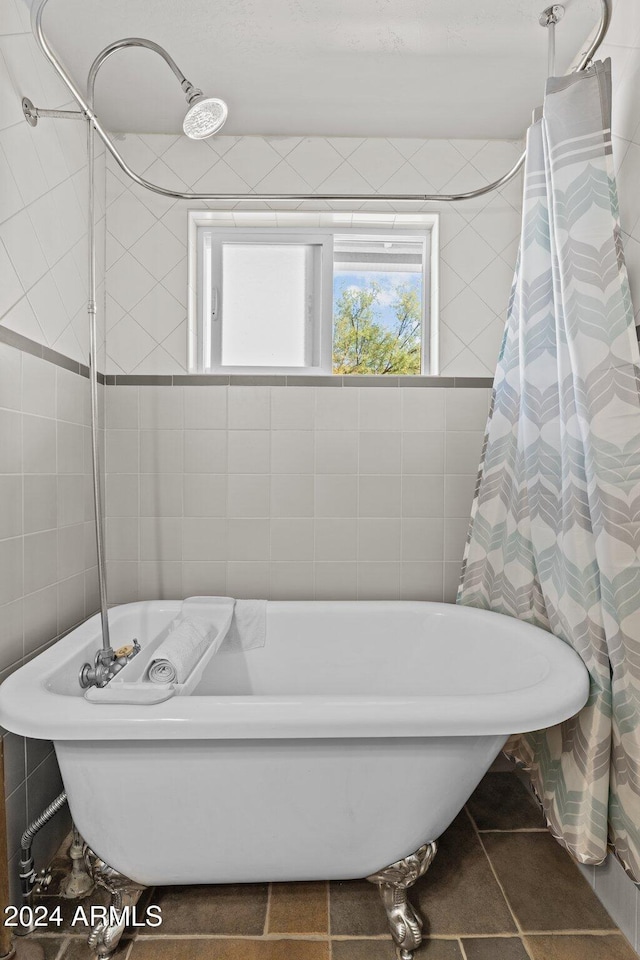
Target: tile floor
500, 888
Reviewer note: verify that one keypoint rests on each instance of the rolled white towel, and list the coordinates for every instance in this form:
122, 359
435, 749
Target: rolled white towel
179, 652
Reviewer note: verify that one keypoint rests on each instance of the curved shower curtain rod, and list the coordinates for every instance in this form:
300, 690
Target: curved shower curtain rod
86, 105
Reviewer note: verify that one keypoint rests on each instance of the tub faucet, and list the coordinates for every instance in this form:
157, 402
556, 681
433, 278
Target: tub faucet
104, 670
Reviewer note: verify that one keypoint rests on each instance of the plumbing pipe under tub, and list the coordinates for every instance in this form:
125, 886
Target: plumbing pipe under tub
29, 879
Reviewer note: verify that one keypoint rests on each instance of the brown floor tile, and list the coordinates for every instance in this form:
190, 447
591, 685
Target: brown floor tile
543, 885
385, 950
495, 948
438, 950
37, 948
356, 909
613, 947
502, 802
78, 949
227, 909
363, 949
298, 908
459, 895
229, 950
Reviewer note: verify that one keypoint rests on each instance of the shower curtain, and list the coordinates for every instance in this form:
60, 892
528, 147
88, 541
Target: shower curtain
555, 525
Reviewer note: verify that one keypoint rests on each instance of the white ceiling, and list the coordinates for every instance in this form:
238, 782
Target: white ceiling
398, 68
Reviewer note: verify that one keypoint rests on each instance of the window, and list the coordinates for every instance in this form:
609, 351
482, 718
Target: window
321, 299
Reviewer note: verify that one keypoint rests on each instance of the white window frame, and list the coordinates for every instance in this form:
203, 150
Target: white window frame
208, 229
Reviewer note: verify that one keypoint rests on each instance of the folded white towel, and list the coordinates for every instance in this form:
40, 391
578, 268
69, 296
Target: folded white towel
179, 652
248, 628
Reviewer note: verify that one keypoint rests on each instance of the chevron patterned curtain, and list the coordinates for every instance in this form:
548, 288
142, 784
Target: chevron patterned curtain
555, 526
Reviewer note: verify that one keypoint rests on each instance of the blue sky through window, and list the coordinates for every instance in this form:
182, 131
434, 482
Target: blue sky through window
389, 281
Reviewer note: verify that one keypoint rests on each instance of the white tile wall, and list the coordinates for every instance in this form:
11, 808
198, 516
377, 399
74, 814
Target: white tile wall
618, 893
289, 492
146, 234
47, 554
43, 201
46, 580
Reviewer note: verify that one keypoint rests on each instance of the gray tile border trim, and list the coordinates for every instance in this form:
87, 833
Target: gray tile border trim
35, 349
26, 345
234, 380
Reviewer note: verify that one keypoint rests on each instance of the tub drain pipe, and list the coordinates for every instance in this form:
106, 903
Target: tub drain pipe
29, 879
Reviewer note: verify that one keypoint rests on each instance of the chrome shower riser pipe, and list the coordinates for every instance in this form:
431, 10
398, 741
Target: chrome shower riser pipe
87, 108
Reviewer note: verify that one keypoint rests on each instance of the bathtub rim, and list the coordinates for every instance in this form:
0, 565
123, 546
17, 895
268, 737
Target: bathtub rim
29, 708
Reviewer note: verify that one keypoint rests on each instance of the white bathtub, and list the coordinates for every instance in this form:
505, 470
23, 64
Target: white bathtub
352, 737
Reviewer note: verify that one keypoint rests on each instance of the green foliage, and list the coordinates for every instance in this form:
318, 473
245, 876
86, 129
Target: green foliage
361, 344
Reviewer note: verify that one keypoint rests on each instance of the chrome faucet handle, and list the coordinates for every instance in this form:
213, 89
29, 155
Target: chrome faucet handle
103, 671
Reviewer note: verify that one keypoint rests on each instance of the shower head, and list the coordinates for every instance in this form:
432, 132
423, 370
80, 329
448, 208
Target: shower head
205, 116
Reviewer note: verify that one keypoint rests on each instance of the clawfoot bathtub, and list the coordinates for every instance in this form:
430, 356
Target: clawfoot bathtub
342, 748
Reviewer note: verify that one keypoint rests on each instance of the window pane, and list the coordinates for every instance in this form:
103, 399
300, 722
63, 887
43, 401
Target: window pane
377, 305
267, 304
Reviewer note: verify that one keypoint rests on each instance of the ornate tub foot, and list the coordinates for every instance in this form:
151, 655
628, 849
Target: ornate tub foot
393, 883
105, 936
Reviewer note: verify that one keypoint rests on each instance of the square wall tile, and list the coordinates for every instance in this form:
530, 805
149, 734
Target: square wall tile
292, 581
40, 502
161, 580
292, 408
423, 496
161, 408
204, 495
292, 495
336, 452
458, 496
249, 451
380, 409
292, 451
463, 449
467, 408
10, 506
247, 580
379, 453
121, 495
249, 495
204, 539
122, 407
11, 628
292, 539
336, 539
336, 495
249, 408
421, 581
378, 581
248, 539
205, 408
205, 451
11, 446
379, 539
422, 453
161, 493
161, 451
38, 386
160, 538
336, 581
423, 409
204, 579
336, 408
40, 560
379, 496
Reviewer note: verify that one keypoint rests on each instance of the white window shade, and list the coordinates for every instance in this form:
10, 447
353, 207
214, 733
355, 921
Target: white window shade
267, 307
